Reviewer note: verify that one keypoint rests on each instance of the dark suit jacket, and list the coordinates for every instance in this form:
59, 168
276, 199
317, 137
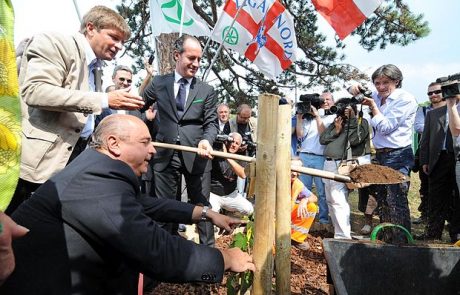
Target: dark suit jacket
433, 136
198, 122
92, 233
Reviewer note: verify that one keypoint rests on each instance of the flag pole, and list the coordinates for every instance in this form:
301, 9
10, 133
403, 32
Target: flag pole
208, 70
77, 10
182, 18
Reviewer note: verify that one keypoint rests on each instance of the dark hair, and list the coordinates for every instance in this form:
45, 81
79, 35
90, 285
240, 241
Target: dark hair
390, 71
179, 43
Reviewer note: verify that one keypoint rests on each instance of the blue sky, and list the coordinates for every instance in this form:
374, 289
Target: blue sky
421, 62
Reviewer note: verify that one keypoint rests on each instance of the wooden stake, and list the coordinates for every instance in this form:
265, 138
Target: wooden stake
264, 232
283, 202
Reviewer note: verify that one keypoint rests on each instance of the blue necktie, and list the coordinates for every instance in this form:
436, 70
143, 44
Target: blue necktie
181, 95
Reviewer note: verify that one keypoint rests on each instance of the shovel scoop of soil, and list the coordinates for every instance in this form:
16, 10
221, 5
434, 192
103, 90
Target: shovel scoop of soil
376, 174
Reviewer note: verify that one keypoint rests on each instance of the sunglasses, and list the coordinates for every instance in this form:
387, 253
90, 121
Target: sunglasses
127, 80
433, 92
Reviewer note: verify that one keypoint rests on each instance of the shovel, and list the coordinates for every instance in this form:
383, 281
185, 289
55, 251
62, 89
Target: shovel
310, 171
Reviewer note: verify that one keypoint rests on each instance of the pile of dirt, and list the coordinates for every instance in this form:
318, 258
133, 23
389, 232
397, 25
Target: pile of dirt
308, 272
376, 174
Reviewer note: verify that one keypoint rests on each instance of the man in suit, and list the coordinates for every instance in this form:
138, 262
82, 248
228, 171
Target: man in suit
438, 162
91, 232
245, 125
58, 99
187, 116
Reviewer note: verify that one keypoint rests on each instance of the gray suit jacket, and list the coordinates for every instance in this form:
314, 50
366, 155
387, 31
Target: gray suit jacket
198, 122
56, 100
433, 136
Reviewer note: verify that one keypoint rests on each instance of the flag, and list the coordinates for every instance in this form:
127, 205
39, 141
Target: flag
10, 112
165, 17
346, 15
263, 32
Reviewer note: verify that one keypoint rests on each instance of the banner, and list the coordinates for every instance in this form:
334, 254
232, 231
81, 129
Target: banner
166, 15
346, 15
10, 111
263, 32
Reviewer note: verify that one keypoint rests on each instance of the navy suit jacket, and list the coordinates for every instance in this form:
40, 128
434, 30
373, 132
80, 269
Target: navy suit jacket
199, 120
92, 233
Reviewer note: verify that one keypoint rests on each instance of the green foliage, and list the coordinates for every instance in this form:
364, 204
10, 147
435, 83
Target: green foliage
238, 81
239, 283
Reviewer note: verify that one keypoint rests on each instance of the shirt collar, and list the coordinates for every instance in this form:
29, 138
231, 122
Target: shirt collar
178, 76
89, 53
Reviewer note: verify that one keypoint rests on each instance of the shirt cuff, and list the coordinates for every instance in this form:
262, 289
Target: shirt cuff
105, 101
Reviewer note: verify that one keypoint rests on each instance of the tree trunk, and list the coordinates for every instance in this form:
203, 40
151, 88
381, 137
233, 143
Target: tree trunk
165, 49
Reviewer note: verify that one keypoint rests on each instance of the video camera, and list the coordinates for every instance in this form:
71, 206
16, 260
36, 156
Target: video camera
306, 102
251, 145
450, 86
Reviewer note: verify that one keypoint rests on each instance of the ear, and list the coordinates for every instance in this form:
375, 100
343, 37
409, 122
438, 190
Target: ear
176, 55
90, 29
113, 145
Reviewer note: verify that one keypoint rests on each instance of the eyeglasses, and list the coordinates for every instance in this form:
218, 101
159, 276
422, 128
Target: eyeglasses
433, 92
127, 80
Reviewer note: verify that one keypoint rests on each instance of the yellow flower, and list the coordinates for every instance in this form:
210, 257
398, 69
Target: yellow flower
8, 72
9, 140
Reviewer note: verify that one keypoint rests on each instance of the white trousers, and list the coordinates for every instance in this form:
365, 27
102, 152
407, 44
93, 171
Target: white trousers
231, 202
337, 203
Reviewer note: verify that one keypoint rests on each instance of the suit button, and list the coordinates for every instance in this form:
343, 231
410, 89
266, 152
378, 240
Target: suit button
69, 148
205, 277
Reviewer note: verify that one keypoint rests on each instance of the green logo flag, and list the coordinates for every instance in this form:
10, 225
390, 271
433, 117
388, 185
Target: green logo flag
10, 112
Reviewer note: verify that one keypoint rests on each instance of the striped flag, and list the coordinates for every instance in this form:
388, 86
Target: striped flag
346, 15
166, 15
10, 111
263, 32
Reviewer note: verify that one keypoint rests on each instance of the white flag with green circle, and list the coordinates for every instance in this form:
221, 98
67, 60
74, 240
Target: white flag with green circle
166, 15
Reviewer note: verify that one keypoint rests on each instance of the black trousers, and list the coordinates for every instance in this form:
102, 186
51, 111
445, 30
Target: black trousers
168, 185
442, 196
24, 189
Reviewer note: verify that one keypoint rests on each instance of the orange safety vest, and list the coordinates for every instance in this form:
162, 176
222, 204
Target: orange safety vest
300, 226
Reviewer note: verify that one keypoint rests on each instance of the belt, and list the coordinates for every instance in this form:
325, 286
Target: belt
387, 150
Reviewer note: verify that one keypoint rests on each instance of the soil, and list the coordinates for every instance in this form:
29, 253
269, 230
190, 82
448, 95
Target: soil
308, 272
376, 174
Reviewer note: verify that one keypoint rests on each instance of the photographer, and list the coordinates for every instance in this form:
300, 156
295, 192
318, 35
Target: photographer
309, 127
393, 115
347, 135
224, 174
246, 126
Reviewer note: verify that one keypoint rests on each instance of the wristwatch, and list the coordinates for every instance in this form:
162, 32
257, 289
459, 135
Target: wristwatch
204, 213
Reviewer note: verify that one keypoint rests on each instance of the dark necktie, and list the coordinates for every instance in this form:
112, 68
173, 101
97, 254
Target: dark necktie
181, 95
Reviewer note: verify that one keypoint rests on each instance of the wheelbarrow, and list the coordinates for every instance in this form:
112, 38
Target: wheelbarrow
367, 267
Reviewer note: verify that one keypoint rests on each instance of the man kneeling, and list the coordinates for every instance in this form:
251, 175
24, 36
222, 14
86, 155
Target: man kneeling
224, 175
91, 232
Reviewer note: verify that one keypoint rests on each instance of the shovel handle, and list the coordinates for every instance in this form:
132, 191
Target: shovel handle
304, 170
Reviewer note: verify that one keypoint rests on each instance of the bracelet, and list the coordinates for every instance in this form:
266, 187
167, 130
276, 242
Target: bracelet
204, 213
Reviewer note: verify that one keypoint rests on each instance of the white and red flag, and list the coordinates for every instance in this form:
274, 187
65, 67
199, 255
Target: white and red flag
263, 31
346, 15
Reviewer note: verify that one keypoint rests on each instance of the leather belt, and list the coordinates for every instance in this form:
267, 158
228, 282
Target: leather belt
312, 154
387, 150
330, 159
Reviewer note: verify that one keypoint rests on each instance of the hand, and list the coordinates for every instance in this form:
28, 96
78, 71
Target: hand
224, 148
314, 112
150, 113
148, 67
243, 148
226, 223
10, 231
425, 169
237, 261
349, 113
452, 101
338, 122
369, 102
355, 89
122, 99
302, 209
205, 149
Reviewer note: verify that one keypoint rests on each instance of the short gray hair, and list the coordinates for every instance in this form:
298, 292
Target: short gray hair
121, 68
115, 124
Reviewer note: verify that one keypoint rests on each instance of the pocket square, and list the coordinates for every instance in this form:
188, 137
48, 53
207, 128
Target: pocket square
198, 100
